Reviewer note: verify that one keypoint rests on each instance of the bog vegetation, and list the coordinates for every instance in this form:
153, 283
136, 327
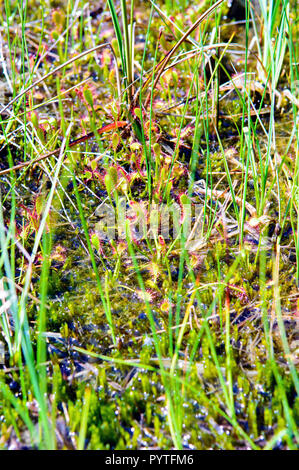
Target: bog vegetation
129, 336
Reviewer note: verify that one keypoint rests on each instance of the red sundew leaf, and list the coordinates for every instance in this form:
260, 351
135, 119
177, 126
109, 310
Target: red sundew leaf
112, 125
